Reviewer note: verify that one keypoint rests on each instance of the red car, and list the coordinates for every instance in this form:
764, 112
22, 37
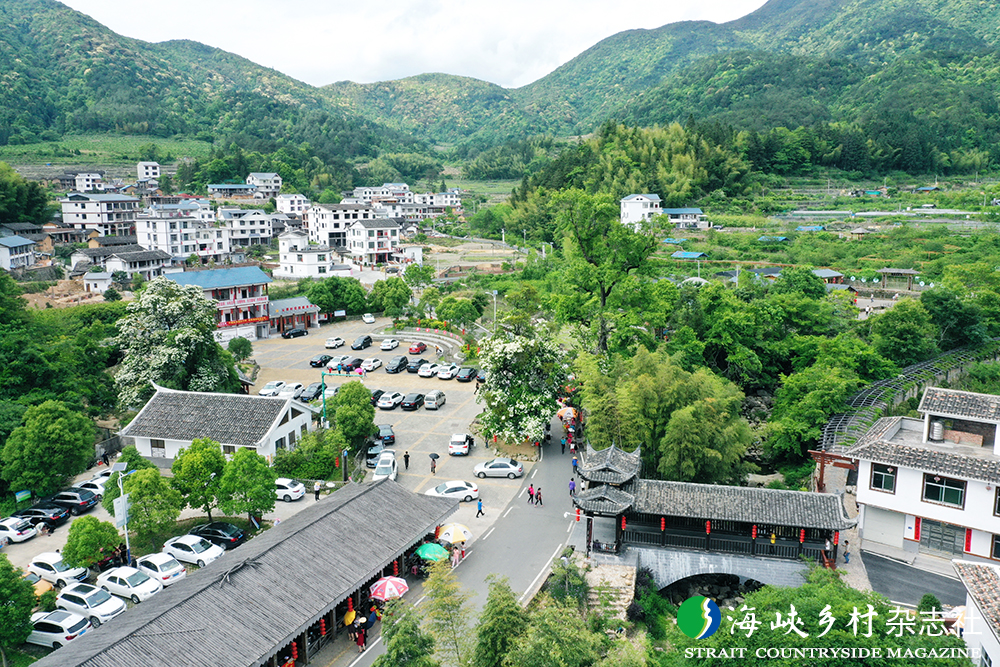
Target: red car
418, 348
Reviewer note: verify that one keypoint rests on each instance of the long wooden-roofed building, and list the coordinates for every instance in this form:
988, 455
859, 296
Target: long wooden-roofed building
289, 585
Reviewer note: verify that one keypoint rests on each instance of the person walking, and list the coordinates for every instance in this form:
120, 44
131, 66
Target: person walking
434, 466
479, 509
538, 496
406, 460
316, 487
362, 639
563, 443
575, 463
847, 551
828, 548
531, 494
572, 487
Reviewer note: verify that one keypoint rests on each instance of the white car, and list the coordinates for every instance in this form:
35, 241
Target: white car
14, 529
448, 372
331, 366
334, 343
371, 364
386, 467
130, 583
95, 486
162, 567
460, 444
501, 467
291, 390
289, 489
104, 474
91, 602
389, 344
390, 400
56, 628
193, 549
456, 489
50, 567
429, 370
272, 388
368, 318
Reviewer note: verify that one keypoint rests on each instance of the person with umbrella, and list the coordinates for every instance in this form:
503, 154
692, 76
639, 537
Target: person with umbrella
434, 463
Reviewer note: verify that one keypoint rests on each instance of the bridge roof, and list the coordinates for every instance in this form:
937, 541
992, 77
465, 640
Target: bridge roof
610, 465
604, 500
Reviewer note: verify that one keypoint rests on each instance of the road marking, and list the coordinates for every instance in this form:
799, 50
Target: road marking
569, 528
541, 572
534, 472
521, 493
419, 601
903, 604
488, 533
370, 647
508, 511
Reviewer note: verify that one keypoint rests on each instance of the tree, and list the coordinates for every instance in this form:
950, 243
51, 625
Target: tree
447, 614
90, 540
167, 337
153, 504
390, 296
799, 280
15, 614
406, 644
461, 312
247, 484
905, 333
133, 461
802, 406
337, 293
198, 472
54, 443
626, 653
240, 348
22, 200
354, 413
111, 294
557, 634
958, 322
501, 622
418, 275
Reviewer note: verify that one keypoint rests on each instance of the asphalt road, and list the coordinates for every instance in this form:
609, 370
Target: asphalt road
901, 583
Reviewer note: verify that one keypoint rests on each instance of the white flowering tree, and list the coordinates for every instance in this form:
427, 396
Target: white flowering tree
523, 378
167, 338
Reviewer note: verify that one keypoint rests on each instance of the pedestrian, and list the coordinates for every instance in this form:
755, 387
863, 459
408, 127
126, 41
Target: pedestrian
572, 487
316, 487
828, 548
104, 457
847, 551
575, 464
480, 512
538, 496
476, 390
406, 460
773, 540
873, 297
362, 640
454, 557
434, 466
563, 445
531, 494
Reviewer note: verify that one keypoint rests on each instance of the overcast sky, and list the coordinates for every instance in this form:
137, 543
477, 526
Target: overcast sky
509, 43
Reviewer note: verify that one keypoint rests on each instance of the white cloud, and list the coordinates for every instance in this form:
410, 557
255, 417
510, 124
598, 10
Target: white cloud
322, 41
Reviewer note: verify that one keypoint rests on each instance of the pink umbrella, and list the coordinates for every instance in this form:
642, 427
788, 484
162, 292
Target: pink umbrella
388, 588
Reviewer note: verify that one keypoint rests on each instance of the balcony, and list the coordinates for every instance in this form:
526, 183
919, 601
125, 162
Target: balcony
236, 303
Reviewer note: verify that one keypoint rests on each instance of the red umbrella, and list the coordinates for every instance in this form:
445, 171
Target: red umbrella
388, 588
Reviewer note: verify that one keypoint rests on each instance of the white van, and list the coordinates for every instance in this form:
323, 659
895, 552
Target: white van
434, 400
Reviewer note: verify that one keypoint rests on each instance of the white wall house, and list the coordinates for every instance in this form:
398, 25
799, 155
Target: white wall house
687, 218
147, 170
16, 252
240, 296
450, 199
188, 208
148, 263
300, 259
398, 191
109, 215
172, 419
638, 209
373, 241
88, 182
97, 282
231, 191
982, 613
292, 204
932, 485
245, 227
328, 223
182, 236
268, 184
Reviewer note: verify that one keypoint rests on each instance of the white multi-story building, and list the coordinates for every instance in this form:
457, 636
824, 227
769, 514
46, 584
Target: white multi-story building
188, 208
445, 199
268, 183
687, 218
109, 215
398, 191
88, 182
328, 223
292, 204
148, 263
639, 209
932, 485
373, 241
246, 227
147, 170
16, 252
240, 296
300, 259
182, 236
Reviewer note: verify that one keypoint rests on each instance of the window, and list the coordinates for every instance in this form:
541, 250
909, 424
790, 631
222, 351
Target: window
279, 443
944, 490
298, 258
158, 449
985, 660
228, 449
321, 269
996, 502
883, 478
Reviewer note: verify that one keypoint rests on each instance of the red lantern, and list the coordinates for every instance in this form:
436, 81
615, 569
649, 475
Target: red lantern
802, 535
753, 533
322, 627
663, 523
295, 650
350, 604
437, 532
395, 568
577, 513
336, 463
836, 537
623, 523
708, 527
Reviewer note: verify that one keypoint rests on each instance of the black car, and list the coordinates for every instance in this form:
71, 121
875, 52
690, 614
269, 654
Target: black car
416, 364
386, 434
320, 360
377, 394
77, 501
50, 514
412, 401
481, 376
353, 365
312, 392
226, 535
396, 364
374, 451
466, 374
294, 333
361, 342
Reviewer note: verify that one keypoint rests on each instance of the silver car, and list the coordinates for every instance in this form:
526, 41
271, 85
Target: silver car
434, 399
501, 467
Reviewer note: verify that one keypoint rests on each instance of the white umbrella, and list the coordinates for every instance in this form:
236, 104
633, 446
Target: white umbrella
455, 533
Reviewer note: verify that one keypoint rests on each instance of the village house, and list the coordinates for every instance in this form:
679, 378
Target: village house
16, 252
328, 223
687, 218
88, 182
397, 191
373, 241
268, 184
182, 236
299, 259
240, 296
982, 609
245, 227
147, 170
638, 209
231, 190
108, 214
292, 204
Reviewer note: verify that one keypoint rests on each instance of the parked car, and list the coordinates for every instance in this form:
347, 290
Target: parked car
466, 374
334, 342
389, 344
434, 399
294, 333
193, 549
386, 434
271, 388
16, 529
128, 582
56, 628
396, 364
412, 401
376, 394
371, 364
448, 372
312, 392
95, 486
320, 360
38, 584
374, 451
481, 376
415, 365
462, 491
385, 467
460, 444
353, 364
368, 318
390, 401
162, 567
220, 533
50, 567
291, 390
91, 602
361, 342
330, 392
50, 514
289, 489
418, 348
77, 501
336, 362
429, 370
501, 467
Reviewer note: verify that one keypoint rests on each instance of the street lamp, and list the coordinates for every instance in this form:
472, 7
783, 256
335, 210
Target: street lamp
121, 505
322, 387
494, 311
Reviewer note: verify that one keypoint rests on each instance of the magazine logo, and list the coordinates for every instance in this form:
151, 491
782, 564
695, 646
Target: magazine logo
698, 617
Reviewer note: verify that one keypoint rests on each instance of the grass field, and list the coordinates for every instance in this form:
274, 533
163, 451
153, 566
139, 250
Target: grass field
103, 148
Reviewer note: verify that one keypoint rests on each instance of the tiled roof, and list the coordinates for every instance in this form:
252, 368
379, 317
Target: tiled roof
344, 207
649, 197
961, 404
231, 419
15, 241
982, 581
263, 174
106, 251
378, 223
949, 464
827, 273
29, 227
124, 239
899, 272
299, 304
139, 255
220, 278
610, 465
802, 509
604, 500
77, 196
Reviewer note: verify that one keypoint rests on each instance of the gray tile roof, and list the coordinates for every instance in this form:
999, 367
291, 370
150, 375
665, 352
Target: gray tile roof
344, 207
604, 500
138, 255
739, 503
982, 581
378, 223
961, 404
231, 419
243, 608
610, 465
298, 304
107, 251
929, 459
